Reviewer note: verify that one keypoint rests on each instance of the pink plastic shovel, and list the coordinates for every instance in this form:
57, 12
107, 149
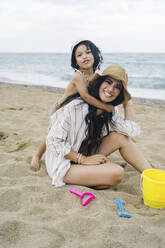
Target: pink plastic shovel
81, 195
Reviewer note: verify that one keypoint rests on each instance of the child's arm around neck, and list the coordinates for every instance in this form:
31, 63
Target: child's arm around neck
81, 84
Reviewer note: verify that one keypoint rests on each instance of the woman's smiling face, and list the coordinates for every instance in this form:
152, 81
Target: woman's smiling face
110, 89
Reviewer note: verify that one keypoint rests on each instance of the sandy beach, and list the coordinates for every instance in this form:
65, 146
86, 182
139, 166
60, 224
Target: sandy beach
33, 213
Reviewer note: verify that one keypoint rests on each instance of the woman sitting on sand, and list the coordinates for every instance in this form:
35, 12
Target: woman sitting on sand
81, 136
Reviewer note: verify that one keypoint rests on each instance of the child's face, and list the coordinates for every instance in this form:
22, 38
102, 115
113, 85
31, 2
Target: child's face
110, 89
84, 57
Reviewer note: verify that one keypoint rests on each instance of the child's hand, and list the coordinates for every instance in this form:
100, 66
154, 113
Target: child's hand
110, 108
99, 111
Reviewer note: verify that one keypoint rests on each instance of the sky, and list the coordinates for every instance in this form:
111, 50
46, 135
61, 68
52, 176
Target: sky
56, 25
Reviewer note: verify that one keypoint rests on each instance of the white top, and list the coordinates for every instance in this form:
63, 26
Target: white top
67, 132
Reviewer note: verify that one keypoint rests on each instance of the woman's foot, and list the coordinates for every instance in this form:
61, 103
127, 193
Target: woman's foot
35, 163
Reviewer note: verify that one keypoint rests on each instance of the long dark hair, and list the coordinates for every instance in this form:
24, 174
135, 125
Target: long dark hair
98, 59
95, 123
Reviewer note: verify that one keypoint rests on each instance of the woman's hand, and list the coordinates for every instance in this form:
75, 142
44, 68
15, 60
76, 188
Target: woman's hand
93, 160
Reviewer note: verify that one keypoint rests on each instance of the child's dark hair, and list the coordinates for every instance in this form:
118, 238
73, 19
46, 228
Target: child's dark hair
98, 59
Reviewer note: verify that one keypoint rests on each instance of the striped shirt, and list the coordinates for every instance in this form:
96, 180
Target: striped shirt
67, 132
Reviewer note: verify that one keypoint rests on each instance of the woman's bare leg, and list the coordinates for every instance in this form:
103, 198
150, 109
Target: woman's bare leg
127, 148
35, 163
94, 175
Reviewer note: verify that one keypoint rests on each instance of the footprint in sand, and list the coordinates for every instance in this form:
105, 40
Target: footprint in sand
19, 146
3, 136
11, 108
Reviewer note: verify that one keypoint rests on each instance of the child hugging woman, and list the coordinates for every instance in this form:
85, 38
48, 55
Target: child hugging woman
86, 58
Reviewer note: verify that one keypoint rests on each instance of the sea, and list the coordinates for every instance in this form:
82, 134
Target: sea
146, 71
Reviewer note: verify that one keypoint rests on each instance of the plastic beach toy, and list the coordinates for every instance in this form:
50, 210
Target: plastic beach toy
153, 182
81, 195
121, 211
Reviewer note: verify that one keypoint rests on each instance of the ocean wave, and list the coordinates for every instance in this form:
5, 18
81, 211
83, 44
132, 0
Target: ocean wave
147, 82
54, 82
147, 93
141, 76
145, 71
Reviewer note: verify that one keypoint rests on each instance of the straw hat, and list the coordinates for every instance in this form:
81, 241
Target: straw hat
116, 72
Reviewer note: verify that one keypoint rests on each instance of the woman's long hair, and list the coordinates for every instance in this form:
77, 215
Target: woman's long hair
95, 123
